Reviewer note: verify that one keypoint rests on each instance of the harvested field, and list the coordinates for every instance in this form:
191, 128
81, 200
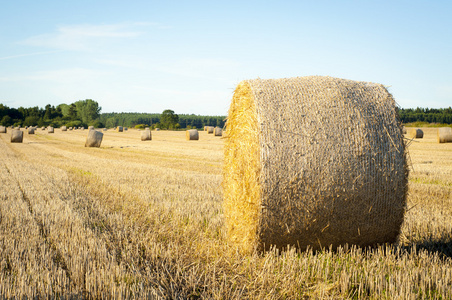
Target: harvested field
71, 225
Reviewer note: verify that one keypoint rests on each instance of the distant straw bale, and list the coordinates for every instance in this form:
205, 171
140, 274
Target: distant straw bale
415, 133
90, 127
205, 128
119, 129
94, 138
289, 179
17, 136
146, 135
210, 129
404, 131
192, 135
217, 131
445, 135
50, 129
31, 130
3, 129
63, 128
157, 129
105, 129
43, 128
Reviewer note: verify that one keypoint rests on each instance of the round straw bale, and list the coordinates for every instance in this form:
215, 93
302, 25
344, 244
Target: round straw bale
445, 135
105, 129
157, 129
63, 128
119, 129
125, 128
43, 128
17, 136
146, 135
70, 128
192, 135
90, 127
50, 129
94, 138
289, 179
210, 129
205, 128
217, 131
3, 129
31, 130
415, 133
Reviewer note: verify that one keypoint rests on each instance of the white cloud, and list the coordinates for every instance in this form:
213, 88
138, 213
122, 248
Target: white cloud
82, 37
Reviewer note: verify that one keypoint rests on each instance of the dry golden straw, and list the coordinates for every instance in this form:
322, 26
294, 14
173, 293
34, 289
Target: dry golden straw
17, 136
313, 162
146, 135
94, 138
2, 129
445, 135
415, 133
192, 135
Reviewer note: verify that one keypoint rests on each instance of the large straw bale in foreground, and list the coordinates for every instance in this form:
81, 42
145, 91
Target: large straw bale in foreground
17, 136
94, 138
445, 135
192, 135
415, 133
312, 162
146, 135
2, 129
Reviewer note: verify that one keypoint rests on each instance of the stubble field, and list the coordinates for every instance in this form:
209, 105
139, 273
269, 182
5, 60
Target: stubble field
144, 219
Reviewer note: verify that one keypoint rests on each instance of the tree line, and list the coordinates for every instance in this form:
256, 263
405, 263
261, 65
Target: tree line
88, 113
429, 115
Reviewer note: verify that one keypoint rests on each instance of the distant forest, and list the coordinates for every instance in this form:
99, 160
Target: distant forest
88, 112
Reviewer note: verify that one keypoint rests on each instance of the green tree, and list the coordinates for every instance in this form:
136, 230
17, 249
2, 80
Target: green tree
168, 119
87, 110
6, 121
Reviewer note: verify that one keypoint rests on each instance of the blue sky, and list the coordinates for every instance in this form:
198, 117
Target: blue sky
188, 56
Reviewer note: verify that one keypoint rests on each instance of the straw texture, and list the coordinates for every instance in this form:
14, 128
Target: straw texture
445, 135
17, 136
94, 138
192, 135
313, 162
3, 129
146, 135
217, 131
415, 133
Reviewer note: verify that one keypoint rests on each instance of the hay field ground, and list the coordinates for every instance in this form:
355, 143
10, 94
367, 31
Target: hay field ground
144, 219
